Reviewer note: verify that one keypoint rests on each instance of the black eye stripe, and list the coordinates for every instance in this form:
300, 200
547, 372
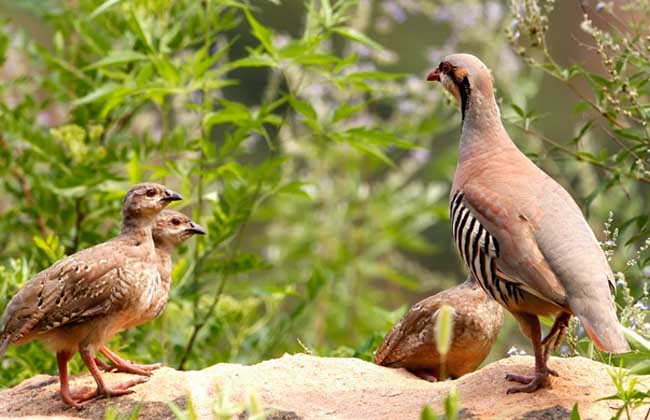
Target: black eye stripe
445, 67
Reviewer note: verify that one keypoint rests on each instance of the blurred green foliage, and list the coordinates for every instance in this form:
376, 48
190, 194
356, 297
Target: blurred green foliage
303, 136
293, 149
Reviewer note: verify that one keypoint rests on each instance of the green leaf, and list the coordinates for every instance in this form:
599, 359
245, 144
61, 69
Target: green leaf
636, 341
97, 94
232, 112
4, 44
374, 75
428, 414
102, 8
139, 28
253, 60
345, 110
303, 108
295, 188
117, 57
641, 368
575, 415
354, 35
451, 404
581, 106
261, 32
373, 150
134, 168
518, 110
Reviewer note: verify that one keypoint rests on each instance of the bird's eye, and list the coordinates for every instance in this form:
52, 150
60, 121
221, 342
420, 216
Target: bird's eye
176, 221
151, 192
445, 67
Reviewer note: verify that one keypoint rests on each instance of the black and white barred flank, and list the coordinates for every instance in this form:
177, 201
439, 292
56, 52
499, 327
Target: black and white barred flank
480, 251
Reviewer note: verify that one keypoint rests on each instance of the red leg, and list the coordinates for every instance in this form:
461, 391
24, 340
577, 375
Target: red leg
62, 359
103, 365
103, 390
556, 334
118, 364
540, 378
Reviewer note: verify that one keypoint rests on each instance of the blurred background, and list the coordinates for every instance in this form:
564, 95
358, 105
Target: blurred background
303, 134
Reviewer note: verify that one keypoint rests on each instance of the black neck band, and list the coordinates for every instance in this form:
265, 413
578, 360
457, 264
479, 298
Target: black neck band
465, 92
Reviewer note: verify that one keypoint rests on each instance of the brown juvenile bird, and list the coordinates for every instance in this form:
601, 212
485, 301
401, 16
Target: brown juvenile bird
81, 301
170, 229
411, 344
519, 232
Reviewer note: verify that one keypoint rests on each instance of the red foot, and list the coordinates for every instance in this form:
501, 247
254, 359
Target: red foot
531, 383
118, 364
76, 400
128, 367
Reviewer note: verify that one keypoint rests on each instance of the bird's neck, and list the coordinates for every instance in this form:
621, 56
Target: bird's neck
482, 130
164, 263
137, 226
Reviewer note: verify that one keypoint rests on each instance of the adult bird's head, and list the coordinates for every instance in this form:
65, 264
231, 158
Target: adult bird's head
171, 228
467, 79
147, 200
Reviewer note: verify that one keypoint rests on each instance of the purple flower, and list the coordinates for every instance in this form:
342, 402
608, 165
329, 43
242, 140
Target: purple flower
395, 11
421, 155
493, 11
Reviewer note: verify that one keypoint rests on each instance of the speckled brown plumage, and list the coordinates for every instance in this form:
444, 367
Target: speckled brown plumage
81, 301
170, 229
411, 344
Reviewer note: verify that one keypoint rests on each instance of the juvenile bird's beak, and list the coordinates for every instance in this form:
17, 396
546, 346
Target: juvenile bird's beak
171, 195
196, 229
434, 76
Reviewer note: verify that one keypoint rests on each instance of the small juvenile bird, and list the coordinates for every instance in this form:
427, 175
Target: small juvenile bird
81, 301
170, 229
519, 232
411, 344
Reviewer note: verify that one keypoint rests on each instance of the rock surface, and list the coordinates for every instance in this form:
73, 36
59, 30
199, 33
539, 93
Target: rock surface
308, 387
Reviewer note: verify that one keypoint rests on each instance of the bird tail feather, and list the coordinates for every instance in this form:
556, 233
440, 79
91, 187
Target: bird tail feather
609, 337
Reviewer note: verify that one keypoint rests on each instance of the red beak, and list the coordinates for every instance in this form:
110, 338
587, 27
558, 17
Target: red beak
434, 76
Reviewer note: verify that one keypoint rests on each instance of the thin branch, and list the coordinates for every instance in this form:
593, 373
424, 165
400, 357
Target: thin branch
576, 156
222, 284
79, 218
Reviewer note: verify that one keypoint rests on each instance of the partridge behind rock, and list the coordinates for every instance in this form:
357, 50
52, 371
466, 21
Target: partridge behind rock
519, 232
411, 344
81, 301
170, 229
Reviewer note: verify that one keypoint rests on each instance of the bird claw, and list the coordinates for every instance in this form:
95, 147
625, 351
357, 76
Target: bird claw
77, 400
128, 367
530, 382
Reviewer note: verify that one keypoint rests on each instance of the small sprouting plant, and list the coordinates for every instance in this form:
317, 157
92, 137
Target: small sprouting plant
626, 392
451, 406
444, 331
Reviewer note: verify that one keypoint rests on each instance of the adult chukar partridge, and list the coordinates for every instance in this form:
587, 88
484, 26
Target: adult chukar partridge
519, 232
81, 301
411, 344
170, 229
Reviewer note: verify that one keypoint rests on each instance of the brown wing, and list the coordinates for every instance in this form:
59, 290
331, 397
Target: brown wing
415, 326
520, 260
73, 290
